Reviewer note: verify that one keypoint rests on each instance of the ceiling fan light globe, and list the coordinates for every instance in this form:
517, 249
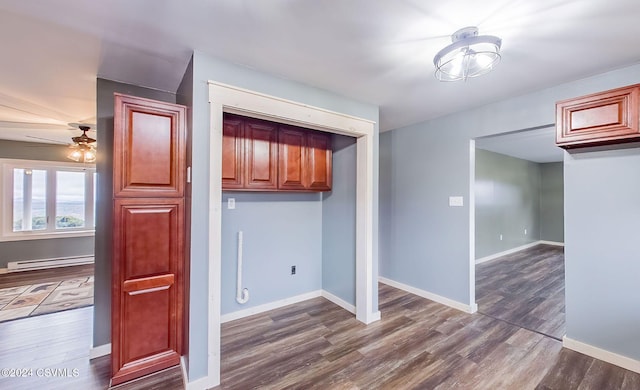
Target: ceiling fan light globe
75, 155
90, 156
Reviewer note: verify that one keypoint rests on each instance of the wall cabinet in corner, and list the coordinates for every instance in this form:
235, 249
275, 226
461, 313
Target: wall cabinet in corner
259, 155
604, 118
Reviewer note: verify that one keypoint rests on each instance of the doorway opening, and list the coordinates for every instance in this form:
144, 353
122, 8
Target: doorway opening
228, 99
519, 230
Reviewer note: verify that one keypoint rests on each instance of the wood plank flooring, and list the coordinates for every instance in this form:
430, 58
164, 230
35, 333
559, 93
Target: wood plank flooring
23, 278
418, 344
61, 341
526, 289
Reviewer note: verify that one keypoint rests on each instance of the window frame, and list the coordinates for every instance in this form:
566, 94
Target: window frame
51, 167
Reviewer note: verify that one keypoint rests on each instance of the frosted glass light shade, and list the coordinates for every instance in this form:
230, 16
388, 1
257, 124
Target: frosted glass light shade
468, 56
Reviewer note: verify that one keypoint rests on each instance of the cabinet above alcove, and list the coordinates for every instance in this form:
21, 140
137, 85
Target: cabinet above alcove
259, 155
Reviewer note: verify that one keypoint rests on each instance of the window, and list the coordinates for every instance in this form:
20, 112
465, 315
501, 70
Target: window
42, 199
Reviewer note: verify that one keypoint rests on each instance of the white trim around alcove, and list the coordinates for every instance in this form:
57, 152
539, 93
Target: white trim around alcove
226, 98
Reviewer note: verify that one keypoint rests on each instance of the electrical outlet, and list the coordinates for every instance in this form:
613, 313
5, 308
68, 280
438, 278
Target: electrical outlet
501, 237
293, 270
525, 232
231, 203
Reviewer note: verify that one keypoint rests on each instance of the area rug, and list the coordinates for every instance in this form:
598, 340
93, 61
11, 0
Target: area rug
45, 298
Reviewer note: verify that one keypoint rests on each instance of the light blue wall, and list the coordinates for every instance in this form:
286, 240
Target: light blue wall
552, 202
339, 223
429, 246
385, 210
508, 195
280, 230
206, 68
602, 217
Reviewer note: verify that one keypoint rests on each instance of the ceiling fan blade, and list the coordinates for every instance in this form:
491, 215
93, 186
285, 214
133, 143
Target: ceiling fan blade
48, 139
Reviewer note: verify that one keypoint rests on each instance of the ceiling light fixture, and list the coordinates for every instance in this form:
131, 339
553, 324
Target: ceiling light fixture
82, 150
470, 55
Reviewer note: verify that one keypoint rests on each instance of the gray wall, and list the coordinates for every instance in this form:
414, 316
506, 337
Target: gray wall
339, 223
184, 96
552, 202
206, 68
33, 151
507, 191
429, 246
385, 211
280, 230
48, 248
104, 196
602, 206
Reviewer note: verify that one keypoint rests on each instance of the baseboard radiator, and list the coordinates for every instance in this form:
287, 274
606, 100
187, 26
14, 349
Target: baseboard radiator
27, 265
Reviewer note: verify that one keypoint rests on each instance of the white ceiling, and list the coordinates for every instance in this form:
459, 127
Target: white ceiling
537, 145
378, 52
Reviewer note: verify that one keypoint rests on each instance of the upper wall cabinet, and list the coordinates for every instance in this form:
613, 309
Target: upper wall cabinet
149, 144
259, 155
319, 161
599, 119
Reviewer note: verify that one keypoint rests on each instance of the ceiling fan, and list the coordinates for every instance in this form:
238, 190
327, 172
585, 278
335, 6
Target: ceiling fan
83, 147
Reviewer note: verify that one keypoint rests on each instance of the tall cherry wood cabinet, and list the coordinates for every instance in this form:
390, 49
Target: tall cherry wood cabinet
149, 165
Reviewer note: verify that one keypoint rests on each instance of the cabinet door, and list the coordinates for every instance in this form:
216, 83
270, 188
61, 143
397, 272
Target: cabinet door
147, 286
261, 148
319, 157
604, 118
232, 153
292, 159
149, 148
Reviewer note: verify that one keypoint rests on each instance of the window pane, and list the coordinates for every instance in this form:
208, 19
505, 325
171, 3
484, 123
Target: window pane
70, 199
29, 199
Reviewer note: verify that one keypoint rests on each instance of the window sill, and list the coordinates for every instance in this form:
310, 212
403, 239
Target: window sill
46, 235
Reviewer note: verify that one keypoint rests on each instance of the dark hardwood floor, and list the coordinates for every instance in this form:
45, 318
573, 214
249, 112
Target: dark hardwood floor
526, 289
50, 343
23, 278
418, 344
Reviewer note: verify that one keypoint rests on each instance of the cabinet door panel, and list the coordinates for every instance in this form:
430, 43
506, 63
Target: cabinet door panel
232, 153
149, 158
604, 118
147, 286
292, 162
319, 157
260, 155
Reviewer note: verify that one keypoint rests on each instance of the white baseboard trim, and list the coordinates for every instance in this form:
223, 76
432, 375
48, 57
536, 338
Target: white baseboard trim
375, 316
203, 383
507, 252
338, 301
431, 296
601, 354
3, 271
100, 350
269, 306
185, 377
555, 243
